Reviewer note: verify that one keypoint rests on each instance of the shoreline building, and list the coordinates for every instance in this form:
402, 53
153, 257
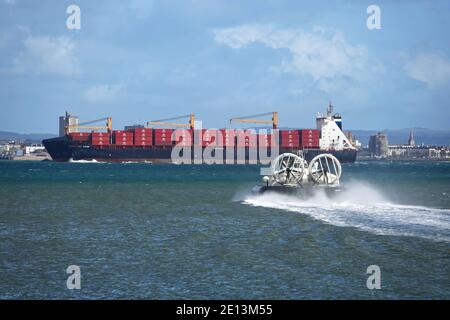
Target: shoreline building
413, 151
378, 145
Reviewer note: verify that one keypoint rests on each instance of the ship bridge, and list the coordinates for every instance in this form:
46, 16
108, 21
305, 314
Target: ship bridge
332, 136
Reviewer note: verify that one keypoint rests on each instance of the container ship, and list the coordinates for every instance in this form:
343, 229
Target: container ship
157, 141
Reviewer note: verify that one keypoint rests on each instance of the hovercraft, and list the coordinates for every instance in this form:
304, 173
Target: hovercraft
291, 173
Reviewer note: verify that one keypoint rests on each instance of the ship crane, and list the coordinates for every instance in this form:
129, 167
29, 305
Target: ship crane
85, 125
248, 119
163, 122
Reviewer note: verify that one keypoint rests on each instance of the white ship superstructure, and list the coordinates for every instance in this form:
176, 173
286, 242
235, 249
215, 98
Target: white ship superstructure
332, 136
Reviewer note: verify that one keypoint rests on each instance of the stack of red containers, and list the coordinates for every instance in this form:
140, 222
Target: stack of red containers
246, 138
290, 138
266, 140
183, 137
80, 136
209, 137
123, 138
228, 137
309, 138
163, 137
142, 136
100, 138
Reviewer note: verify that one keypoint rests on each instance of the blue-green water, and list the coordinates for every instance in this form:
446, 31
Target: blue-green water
168, 231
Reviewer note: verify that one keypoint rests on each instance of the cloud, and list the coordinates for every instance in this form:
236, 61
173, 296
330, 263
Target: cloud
43, 54
431, 68
323, 54
11, 2
141, 8
103, 93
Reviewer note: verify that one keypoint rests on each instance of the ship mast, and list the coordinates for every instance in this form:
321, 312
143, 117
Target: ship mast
330, 110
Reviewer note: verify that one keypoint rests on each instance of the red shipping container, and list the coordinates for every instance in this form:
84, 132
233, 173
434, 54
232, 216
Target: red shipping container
309, 132
292, 142
143, 134
246, 144
124, 143
80, 136
168, 138
163, 137
228, 142
209, 132
100, 138
309, 139
289, 137
123, 133
100, 134
288, 132
143, 137
209, 137
143, 143
209, 143
206, 143
310, 135
183, 137
162, 132
143, 140
123, 138
228, 137
246, 138
145, 131
266, 140
310, 145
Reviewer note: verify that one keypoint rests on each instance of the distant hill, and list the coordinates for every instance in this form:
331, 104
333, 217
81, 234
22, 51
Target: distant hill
400, 136
32, 137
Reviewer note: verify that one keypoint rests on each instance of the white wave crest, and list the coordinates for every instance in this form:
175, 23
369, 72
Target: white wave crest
83, 161
365, 208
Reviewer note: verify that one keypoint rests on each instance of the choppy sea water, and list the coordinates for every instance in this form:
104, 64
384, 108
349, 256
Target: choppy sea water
173, 231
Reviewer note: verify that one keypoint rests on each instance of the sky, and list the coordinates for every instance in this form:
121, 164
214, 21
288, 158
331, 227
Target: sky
143, 60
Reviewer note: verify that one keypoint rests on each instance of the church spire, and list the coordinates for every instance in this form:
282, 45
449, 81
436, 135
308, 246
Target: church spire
411, 141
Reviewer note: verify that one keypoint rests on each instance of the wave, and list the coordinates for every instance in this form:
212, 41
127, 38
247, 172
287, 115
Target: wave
84, 161
362, 207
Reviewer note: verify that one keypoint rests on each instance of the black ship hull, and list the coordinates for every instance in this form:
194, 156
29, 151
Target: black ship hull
63, 149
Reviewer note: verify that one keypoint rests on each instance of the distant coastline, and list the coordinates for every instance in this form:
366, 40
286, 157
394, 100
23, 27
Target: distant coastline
393, 159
